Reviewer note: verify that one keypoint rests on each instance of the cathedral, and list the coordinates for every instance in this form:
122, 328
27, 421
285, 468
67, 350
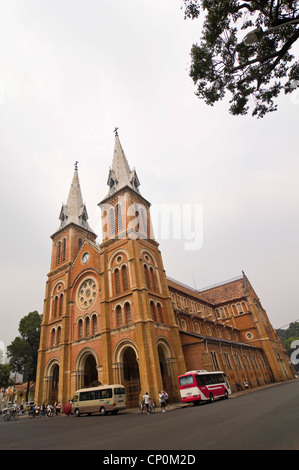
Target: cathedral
111, 315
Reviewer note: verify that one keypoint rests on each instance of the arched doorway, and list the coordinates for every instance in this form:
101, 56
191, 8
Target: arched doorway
86, 368
90, 372
131, 377
52, 381
55, 384
128, 371
166, 371
131, 369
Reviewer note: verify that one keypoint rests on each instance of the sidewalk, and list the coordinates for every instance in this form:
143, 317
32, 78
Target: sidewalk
178, 405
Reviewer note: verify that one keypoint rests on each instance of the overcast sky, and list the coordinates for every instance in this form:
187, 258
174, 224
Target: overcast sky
72, 70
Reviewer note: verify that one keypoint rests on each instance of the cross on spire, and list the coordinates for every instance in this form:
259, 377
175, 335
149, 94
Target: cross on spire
115, 131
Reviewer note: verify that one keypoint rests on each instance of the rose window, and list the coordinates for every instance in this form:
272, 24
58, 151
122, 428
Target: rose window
87, 293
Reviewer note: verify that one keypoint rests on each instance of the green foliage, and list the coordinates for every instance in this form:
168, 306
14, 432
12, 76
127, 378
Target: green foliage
256, 74
23, 350
5, 380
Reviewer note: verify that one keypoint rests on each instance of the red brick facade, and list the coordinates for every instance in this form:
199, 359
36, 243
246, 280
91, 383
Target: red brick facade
112, 316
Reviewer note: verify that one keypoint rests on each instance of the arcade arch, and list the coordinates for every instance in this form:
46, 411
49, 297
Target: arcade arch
87, 367
126, 370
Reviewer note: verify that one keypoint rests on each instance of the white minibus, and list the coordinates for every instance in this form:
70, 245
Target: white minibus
104, 399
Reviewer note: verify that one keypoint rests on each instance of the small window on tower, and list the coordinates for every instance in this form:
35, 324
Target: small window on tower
58, 252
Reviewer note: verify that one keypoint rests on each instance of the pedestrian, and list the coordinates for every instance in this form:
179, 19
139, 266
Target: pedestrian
245, 384
68, 408
166, 400
146, 399
162, 401
58, 408
43, 409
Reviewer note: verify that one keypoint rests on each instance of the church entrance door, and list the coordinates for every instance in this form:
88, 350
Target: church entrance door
90, 372
131, 377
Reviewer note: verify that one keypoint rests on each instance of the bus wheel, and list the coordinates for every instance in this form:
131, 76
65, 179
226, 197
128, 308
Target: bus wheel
77, 412
102, 411
226, 394
211, 397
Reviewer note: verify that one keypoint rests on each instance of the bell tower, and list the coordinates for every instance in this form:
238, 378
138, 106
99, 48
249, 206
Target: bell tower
54, 358
145, 346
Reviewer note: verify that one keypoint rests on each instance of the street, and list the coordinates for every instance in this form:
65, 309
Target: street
264, 419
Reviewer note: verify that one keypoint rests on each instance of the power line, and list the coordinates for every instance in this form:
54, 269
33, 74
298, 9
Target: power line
287, 324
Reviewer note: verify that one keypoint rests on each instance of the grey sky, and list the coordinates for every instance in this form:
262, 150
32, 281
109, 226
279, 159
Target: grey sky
70, 72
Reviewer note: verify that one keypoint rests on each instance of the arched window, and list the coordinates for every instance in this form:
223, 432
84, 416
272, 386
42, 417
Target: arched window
215, 360
124, 277
80, 243
119, 217
152, 310
117, 281
58, 252
238, 362
59, 335
94, 325
55, 312
112, 221
80, 329
53, 337
153, 278
119, 320
128, 312
239, 308
147, 279
159, 313
227, 360
87, 325
137, 227
63, 249
144, 220
60, 310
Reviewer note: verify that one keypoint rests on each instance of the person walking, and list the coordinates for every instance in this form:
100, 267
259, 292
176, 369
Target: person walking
166, 400
162, 401
146, 399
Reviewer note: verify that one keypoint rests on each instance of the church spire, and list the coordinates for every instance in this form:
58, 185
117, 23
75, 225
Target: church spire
74, 211
120, 175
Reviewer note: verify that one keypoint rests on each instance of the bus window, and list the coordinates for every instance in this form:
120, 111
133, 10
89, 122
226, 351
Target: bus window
186, 380
119, 391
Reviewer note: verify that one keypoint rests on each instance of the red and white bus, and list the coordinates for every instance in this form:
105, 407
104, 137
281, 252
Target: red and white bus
201, 385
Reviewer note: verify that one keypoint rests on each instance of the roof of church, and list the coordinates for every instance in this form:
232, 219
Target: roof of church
229, 291
223, 292
120, 175
74, 211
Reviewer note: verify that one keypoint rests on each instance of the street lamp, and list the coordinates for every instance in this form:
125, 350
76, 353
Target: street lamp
256, 35
253, 36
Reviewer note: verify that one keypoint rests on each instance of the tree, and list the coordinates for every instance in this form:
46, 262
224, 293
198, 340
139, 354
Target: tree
257, 72
5, 380
23, 350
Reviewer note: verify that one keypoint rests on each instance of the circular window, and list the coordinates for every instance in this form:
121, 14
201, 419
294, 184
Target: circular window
184, 324
119, 259
249, 335
85, 258
87, 294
